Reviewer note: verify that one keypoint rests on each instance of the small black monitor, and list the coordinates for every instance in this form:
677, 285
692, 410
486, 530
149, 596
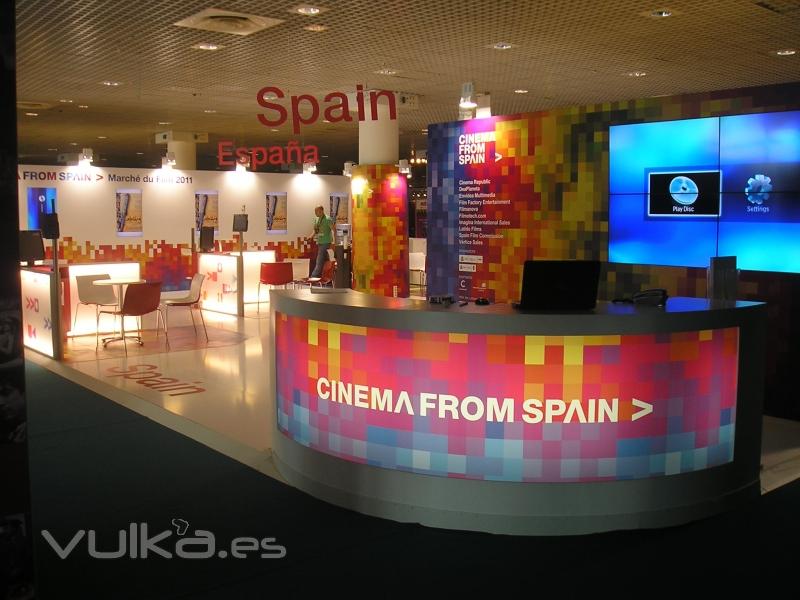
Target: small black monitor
206, 239
31, 246
240, 222
50, 228
559, 285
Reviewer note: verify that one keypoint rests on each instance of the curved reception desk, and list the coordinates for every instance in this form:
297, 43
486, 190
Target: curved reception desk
486, 418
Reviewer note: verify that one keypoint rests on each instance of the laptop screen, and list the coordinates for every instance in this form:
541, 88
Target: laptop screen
559, 285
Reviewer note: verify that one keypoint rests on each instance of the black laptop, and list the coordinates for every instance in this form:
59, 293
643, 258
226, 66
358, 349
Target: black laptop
559, 285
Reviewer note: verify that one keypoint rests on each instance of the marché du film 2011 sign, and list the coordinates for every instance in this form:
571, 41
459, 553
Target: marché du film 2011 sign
509, 407
303, 109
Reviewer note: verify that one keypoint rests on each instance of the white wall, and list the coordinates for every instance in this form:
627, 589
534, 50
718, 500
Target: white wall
86, 201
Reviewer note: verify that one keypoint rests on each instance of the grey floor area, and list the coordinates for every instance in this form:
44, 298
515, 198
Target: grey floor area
98, 467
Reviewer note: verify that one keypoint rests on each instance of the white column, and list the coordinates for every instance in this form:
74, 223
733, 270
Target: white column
185, 154
378, 140
183, 144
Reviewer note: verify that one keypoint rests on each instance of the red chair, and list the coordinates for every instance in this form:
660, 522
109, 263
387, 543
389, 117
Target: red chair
324, 280
140, 299
277, 273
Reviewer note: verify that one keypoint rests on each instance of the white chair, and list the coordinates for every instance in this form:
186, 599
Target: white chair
416, 264
88, 293
191, 299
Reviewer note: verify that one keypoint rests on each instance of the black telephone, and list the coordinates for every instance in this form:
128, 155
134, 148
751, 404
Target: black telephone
654, 297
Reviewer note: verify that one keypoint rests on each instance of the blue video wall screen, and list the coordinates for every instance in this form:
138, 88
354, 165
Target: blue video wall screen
684, 191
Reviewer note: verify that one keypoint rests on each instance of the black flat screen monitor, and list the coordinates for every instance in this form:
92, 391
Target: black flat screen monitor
559, 285
206, 239
240, 222
31, 246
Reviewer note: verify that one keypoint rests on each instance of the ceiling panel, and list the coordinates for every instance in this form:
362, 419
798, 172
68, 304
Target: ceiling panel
565, 52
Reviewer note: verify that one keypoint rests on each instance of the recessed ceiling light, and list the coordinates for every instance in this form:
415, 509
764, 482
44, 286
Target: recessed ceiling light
502, 46
102, 137
636, 73
520, 91
270, 96
209, 111
325, 121
661, 12
316, 28
83, 106
165, 122
786, 52
30, 114
274, 129
65, 101
140, 153
110, 83
207, 46
73, 143
307, 10
385, 71
424, 130
52, 149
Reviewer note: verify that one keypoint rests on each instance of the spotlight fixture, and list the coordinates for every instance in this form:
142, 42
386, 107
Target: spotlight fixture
168, 161
31, 114
85, 157
207, 46
418, 157
83, 106
309, 168
502, 46
242, 164
467, 100
307, 10
520, 91
65, 101
403, 167
786, 52
315, 28
348, 168
661, 13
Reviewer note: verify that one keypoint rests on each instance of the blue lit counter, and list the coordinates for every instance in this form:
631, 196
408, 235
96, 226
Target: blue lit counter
489, 419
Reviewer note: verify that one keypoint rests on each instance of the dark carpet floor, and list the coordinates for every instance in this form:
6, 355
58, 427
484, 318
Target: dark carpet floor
96, 466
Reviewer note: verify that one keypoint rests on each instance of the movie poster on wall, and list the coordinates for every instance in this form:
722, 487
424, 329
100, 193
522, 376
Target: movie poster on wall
41, 201
337, 208
277, 221
480, 198
129, 213
206, 209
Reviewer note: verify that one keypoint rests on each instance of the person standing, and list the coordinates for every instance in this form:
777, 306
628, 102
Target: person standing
323, 235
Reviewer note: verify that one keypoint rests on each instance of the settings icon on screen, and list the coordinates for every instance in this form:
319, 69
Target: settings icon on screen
758, 188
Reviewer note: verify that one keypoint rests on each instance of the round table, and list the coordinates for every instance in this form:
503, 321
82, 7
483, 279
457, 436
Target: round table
118, 283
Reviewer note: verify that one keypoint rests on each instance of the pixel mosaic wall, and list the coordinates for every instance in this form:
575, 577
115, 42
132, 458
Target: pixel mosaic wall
556, 164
